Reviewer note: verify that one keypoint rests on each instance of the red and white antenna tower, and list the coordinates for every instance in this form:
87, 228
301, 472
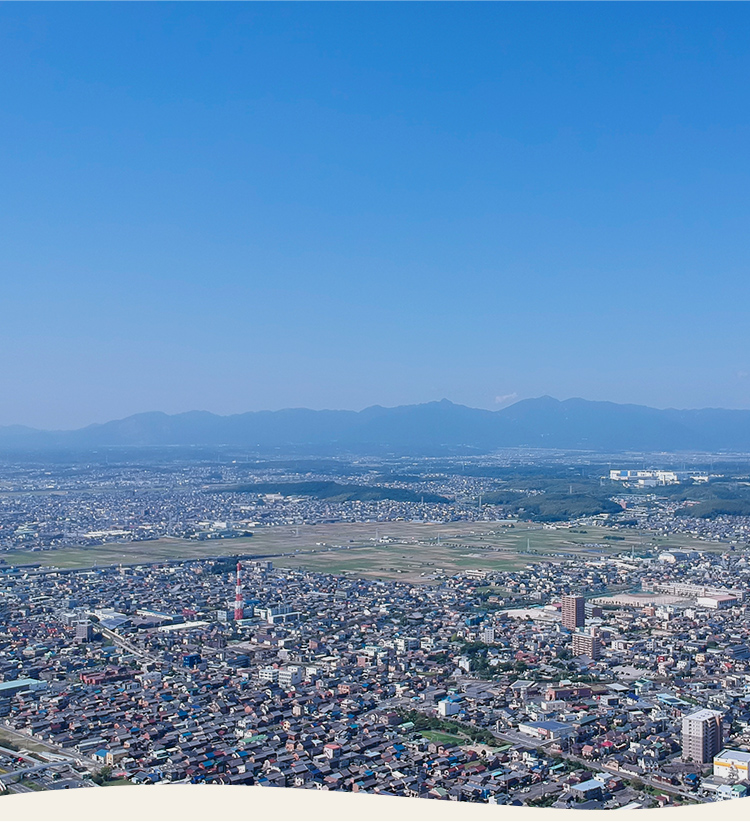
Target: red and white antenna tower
239, 604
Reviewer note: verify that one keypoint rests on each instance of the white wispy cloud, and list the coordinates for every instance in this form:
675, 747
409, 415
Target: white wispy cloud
503, 399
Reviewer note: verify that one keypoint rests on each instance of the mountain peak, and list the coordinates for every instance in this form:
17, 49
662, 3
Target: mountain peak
441, 426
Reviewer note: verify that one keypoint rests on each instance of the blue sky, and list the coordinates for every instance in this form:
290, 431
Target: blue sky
240, 206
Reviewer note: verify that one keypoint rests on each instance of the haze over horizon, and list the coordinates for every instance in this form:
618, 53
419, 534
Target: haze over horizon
497, 407
432, 428
244, 207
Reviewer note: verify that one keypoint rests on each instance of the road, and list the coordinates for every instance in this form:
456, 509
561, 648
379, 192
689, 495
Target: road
22, 739
21, 772
18, 755
128, 646
518, 739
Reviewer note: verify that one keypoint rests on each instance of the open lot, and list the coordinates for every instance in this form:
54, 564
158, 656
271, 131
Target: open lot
397, 550
22, 742
441, 738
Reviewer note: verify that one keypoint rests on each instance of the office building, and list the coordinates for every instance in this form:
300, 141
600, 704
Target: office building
268, 673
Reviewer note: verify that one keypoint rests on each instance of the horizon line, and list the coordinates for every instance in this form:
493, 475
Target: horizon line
444, 400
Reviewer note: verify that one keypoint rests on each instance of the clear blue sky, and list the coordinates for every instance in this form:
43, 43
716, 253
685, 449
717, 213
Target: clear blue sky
233, 207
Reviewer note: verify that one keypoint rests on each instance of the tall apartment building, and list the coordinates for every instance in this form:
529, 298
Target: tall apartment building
587, 644
573, 612
701, 735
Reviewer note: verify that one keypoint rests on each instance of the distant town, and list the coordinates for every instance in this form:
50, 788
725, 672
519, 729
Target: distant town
550, 629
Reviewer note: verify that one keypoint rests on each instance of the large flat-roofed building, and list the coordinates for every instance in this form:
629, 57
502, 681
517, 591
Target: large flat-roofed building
690, 591
717, 602
281, 613
732, 765
644, 478
15, 686
701, 735
573, 612
590, 789
546, 730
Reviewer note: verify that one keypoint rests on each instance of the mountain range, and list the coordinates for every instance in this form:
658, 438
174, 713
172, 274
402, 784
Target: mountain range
433, 427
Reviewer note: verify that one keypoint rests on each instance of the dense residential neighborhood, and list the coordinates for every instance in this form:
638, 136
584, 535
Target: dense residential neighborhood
125, 498
374, 409
469, 687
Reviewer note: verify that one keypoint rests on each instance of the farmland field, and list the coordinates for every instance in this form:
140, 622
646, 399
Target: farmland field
396, 550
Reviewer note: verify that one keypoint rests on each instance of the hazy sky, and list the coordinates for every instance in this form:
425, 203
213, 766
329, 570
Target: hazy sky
234, 207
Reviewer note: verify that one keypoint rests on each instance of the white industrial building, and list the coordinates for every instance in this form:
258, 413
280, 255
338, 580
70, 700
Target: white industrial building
717, 602
644, 479
732, 765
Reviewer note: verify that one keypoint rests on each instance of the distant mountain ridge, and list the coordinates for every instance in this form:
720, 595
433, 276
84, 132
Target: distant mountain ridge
437, 427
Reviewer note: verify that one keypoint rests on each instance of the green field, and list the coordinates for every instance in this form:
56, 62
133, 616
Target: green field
396, 550
441, 738
21, 742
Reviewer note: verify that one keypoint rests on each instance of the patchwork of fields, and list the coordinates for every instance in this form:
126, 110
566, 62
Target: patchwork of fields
394, 550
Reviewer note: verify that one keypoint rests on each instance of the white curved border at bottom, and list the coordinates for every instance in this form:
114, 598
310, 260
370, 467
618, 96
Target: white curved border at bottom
185, 803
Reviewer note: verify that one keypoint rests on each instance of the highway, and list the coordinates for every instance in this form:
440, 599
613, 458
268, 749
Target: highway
45, 766
28, 756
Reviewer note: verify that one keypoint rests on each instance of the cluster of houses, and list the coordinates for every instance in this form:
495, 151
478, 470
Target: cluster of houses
469, 688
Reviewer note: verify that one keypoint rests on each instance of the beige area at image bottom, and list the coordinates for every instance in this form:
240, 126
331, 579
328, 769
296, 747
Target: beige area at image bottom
220, 802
